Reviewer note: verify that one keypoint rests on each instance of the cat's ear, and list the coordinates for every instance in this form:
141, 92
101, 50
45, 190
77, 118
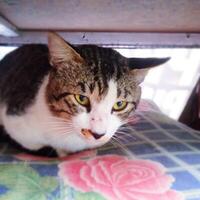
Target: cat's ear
60, 51
144, 63
140, 66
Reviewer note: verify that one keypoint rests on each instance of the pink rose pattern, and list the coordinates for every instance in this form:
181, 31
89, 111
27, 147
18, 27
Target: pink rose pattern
119, 178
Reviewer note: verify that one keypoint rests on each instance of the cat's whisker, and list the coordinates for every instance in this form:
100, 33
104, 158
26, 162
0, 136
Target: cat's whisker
121, 133
127, 127
55, 117
59, 125
130, 122
118, 141
59, 119
61, 128
121, 138
113, 143
117, 137
126, 151
125, 130
124, 134
57, 122
58, 130
62, 132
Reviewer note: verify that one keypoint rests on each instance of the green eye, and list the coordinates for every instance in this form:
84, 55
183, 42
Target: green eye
119, 106
82, 100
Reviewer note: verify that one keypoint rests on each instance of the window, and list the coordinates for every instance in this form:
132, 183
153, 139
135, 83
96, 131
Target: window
5, 49
169, 85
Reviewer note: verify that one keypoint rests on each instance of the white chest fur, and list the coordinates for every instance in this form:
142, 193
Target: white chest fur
28, 129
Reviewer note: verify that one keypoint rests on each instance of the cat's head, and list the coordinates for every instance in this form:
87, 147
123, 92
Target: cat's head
93, 89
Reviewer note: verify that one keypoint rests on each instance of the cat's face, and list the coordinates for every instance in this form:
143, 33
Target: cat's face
93, 89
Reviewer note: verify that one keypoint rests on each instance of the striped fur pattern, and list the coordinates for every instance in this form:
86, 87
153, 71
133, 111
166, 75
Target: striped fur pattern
39, 88
90, 77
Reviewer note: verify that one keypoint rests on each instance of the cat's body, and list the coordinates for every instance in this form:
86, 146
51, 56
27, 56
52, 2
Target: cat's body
69, 104
23, 77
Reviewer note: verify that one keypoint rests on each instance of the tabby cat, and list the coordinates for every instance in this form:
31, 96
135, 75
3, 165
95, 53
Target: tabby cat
68, 97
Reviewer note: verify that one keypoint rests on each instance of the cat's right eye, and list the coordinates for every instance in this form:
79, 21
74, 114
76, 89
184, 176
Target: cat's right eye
82, 100
119, 106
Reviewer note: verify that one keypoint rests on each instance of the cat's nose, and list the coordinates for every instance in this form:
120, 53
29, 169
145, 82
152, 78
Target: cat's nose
88, 133
96, 119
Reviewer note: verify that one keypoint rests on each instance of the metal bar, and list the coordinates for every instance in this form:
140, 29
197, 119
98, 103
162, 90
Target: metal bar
7, 29
116, 39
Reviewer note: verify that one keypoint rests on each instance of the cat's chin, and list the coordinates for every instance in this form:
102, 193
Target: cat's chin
80, 145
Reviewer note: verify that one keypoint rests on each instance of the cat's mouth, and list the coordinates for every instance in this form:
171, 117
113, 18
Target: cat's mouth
88, 133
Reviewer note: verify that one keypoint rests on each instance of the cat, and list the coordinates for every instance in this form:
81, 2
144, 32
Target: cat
68, 97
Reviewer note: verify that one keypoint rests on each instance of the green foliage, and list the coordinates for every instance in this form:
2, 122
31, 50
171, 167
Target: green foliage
25, 183
88, 196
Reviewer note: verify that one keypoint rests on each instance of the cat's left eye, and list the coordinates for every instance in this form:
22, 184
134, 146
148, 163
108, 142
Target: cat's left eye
82, 100
119, 106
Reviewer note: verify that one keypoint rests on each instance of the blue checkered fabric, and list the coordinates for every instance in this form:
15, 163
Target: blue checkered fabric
154, 137
161, 139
